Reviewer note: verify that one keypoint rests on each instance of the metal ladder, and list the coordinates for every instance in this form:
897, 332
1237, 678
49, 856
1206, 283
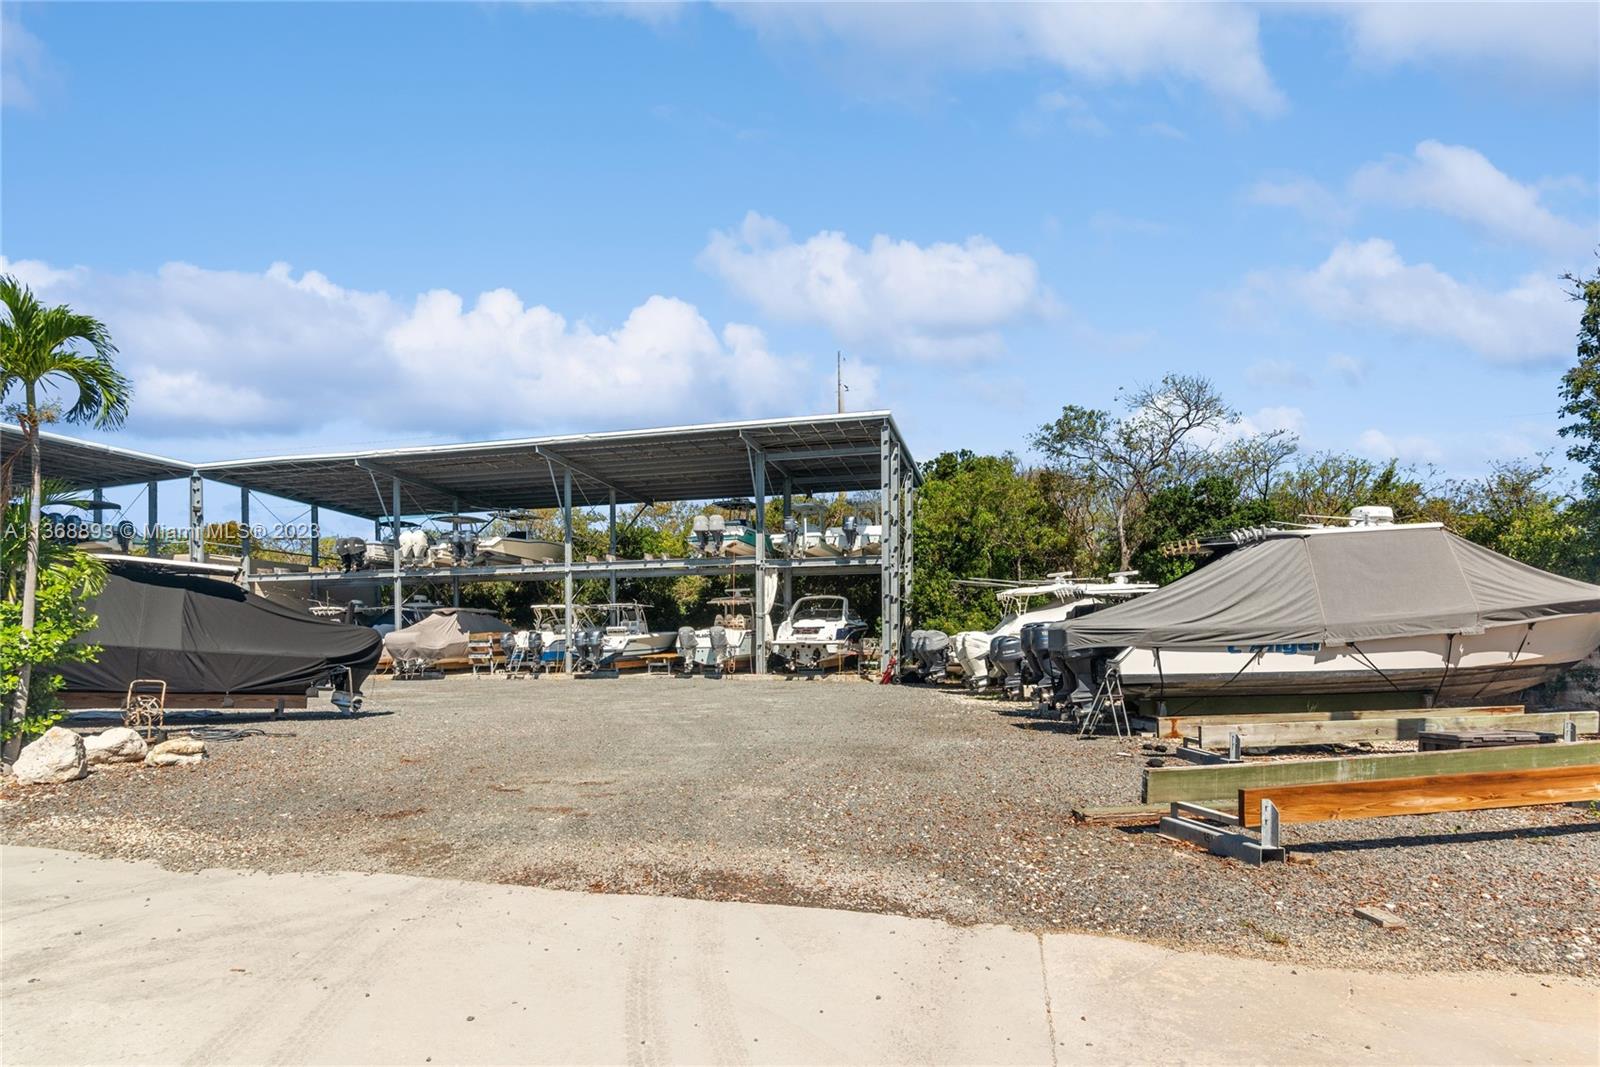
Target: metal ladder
1108, 699
516, 661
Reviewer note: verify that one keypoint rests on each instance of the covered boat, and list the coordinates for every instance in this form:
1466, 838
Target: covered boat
1402, 615
441, 639
206, 637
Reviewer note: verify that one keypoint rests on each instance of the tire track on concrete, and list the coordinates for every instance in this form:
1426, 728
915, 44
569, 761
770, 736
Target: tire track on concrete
711, 983
641, 1020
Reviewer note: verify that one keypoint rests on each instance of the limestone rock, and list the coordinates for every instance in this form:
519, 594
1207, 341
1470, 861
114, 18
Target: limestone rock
116, 745
55, 757
178, 750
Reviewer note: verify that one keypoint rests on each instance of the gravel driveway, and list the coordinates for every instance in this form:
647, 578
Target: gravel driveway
832, 792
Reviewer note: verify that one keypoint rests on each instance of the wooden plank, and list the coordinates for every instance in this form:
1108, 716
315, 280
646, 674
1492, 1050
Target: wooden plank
1396, 728
1186, 725
1197, 783
1138, 814
1335, 801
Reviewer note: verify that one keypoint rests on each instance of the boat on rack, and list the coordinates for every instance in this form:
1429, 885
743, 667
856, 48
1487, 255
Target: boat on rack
1059, 597
550, 623
626, 635
820, 632
518, 544
1367, 611
735, 609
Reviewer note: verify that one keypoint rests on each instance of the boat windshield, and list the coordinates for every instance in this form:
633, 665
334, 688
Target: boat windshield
821, 607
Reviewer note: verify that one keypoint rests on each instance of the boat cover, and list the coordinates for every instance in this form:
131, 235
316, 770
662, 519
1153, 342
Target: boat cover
205, 635
442, 635
1339, 588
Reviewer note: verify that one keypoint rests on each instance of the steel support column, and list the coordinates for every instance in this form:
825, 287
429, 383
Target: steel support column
152, 525
394, 552
611, 541
886, 576
566, 555
788, 574
455, 539
908, 497
244, 535
316, 536
197, 518
759, 635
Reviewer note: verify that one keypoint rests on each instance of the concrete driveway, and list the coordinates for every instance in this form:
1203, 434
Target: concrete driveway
118, 962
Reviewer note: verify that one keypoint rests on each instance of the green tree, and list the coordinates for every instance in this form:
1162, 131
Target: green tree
43, 349
62, 617
1160, 441
1210, 505
1580, 389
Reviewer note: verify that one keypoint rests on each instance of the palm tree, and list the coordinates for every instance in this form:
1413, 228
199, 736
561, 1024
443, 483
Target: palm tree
39, 354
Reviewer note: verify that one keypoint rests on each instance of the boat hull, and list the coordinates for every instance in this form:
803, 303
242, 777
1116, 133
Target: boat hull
512, 551
1502, 661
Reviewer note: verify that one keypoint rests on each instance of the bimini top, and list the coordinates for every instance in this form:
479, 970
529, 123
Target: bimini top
1340, 587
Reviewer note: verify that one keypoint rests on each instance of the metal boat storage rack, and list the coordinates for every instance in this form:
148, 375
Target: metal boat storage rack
852, 452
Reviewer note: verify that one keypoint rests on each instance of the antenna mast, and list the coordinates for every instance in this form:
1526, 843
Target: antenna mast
838, 374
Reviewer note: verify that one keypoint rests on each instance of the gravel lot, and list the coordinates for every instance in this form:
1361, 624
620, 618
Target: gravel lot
833, 792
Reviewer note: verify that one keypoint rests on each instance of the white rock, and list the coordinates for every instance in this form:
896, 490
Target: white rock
178, 750
116, 745
56, 757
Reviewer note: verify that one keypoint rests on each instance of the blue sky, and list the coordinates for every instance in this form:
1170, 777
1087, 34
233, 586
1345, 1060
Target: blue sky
1352, 219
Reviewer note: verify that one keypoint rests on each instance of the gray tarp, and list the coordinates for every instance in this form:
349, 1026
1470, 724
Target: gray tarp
442, 635
1339, 588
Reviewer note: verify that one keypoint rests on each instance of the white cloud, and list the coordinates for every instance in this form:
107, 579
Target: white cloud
936, 300
1071, 111
1277, 373
1268, 419
1454, 180
24, 66
1368, 283
1306, 195
1547, 42
1167, 130
1462, 183
1350, 369
1414, 448
233, 352
1216, 46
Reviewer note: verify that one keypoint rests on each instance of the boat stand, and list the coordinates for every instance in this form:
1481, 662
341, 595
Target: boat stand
1108, 700
1222, 834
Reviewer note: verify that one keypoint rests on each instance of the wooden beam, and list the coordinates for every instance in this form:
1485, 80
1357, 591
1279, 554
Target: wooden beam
1137, 814
1185, 725
1398, 728
1330, 802
1163, 784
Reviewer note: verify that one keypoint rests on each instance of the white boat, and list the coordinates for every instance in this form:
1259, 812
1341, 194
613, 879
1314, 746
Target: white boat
735, 609
821, 631
550, 622
1405, 615
1062, 597
519, 546
627, 635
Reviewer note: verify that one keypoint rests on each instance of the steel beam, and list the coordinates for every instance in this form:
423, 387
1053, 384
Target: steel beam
385, 471
566, 557
886, 624
394, 553
152, 525
585, 472
788, 574
611, 540
759, 635
623, 568
246, 549
316, 536
197, 518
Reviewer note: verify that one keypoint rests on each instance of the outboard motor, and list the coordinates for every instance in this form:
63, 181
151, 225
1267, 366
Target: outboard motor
700, 534
352, 553
587, 647
413, 548
1005, 658
464, 545
1034, 656
718, 636
851, 528
1056, 687
791, 538
715, 526
688, 642
124, 534
927, 655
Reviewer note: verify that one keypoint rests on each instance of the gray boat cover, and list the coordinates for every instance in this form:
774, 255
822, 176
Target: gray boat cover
442, 635
1339, 588
203, 635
